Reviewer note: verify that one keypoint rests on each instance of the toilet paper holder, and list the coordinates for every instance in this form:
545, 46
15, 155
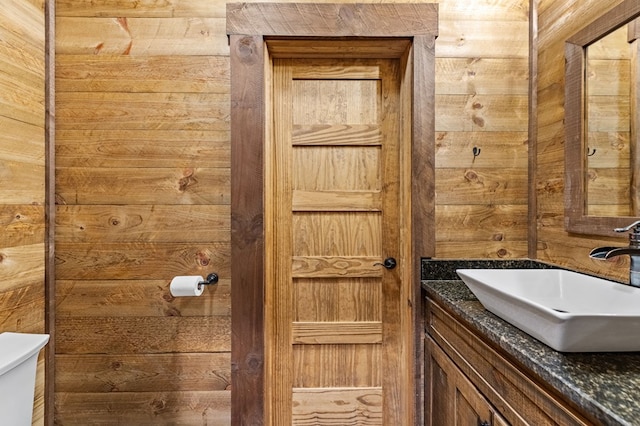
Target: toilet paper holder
212, 278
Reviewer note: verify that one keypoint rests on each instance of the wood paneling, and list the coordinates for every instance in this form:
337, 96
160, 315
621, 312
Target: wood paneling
466, 113
135, 148
143, 335
143, 99
137, 298
132, 74
482, 186
123, 35
141, 111
116, 185
143, 223
24, 311
183, 407
21, 225
143, 8
126, 261
483, 10
143, 195
131, 373
484, 76
483, 222
143, 155
558, 20
22, 174
482, 102
485, 39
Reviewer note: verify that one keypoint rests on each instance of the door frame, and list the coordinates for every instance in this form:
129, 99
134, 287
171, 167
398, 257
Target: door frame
249, 26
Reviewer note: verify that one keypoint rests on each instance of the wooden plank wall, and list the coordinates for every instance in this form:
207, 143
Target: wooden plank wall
22, 174
142, 157
143, 194
558, 20
481, 102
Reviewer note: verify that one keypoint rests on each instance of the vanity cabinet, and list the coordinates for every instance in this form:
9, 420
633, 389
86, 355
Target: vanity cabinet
454, 400
470, 383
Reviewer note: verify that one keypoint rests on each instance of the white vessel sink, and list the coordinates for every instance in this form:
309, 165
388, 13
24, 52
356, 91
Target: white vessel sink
569, 311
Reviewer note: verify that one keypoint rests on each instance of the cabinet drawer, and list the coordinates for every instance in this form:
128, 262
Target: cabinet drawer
519, 398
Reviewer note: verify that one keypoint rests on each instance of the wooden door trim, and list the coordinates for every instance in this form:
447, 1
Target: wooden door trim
332, 19
247, 26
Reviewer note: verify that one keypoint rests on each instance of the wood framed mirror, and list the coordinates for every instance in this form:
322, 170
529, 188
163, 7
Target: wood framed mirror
580, 218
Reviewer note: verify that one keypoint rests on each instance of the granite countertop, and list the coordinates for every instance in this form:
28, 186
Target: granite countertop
604, 385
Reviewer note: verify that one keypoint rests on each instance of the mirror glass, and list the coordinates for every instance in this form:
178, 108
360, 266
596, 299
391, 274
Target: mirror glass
601, 116
609, 125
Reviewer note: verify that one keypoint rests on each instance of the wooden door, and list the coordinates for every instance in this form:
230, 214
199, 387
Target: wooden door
339, 323
405, 31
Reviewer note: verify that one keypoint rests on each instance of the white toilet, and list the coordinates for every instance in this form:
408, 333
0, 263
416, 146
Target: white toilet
18, 363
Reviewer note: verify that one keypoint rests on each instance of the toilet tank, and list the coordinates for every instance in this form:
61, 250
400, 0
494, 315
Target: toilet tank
18, 364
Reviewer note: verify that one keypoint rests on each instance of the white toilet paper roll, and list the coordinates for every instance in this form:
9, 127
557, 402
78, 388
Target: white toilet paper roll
186, 286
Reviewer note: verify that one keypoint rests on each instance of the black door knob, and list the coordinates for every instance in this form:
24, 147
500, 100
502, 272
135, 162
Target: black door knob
389, 263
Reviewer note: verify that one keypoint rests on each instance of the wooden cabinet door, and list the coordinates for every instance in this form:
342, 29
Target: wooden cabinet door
452, 400
339, 326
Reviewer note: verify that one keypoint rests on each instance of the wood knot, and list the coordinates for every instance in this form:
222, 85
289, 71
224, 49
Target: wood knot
470, 175
158, 405
246, 50
186, 182
203, 259
172, 312
370, 400
478, 121
253, 362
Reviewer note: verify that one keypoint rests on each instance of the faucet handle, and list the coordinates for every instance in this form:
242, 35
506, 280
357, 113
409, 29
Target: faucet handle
635, 225
634, 235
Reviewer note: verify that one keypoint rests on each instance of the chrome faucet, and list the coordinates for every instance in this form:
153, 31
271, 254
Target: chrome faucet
633, 250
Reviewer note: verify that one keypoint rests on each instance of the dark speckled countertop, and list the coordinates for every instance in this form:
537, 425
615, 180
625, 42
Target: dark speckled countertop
604, 385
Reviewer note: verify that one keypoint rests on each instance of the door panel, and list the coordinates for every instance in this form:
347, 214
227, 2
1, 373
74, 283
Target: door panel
361, 406
342, 365
338, 299
339, 325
